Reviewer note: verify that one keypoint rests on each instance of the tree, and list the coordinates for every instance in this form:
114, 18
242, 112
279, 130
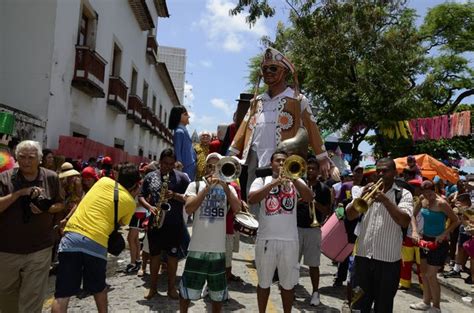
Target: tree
448, 31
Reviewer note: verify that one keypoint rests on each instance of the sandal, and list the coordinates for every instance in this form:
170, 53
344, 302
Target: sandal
151, 294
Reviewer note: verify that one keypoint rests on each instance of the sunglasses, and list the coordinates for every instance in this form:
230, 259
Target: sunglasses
272, 69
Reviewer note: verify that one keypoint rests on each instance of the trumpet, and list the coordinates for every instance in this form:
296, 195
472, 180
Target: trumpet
294, 167
312, 214
362, 204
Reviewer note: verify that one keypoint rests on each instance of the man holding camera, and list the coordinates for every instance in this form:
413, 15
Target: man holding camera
277, 239
28, 196
83, 249
209, 201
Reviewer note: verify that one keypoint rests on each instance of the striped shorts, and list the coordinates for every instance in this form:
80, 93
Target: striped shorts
201, 267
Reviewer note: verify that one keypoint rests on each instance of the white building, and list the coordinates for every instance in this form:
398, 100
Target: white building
87, 69
175, 60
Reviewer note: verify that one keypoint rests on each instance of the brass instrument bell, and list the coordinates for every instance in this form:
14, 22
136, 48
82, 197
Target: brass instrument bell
312, 214
294, 167
362, 204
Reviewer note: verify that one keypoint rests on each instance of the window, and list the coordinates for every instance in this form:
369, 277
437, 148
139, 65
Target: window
133, 85
153, 104
79, 135
161, 111
116, 61
119, 143
87, 27
81, 38
149, 156
140, 151
166, 118
145, 93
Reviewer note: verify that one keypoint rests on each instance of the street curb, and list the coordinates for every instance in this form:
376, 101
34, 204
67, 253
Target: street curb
461, 292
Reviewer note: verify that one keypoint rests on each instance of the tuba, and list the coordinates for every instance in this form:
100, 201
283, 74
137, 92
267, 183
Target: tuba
163, 206
362, 204
228, 169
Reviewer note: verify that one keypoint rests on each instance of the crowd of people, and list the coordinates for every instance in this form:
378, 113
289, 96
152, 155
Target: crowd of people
61, 217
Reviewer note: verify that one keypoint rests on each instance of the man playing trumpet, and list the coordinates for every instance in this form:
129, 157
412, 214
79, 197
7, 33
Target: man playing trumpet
208, 201
277, 238
378, 247
309, 231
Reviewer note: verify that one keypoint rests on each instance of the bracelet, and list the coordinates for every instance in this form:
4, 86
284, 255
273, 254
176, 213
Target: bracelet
322, 156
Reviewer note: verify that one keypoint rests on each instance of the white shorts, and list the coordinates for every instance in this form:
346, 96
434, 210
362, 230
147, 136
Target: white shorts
277, 254
310, 246
229, 249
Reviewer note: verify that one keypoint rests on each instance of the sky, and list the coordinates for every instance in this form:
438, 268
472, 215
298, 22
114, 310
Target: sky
218, 48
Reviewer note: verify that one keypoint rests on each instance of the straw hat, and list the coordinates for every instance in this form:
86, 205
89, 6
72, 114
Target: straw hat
68, 170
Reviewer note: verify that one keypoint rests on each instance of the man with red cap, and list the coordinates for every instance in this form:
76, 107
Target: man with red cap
106, 170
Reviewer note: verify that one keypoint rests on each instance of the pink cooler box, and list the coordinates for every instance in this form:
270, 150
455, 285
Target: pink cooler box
334, 242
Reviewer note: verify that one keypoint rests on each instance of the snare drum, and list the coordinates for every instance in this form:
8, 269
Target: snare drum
245, 224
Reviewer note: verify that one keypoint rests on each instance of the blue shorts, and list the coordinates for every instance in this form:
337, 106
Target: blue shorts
78, 267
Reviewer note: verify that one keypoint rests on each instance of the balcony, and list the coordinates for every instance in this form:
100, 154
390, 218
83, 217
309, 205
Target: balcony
152, 49
142, 14
117, 96
134, 109
155, 124
89, 72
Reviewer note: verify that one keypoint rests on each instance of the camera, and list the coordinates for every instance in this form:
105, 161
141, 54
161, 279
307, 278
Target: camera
41, 201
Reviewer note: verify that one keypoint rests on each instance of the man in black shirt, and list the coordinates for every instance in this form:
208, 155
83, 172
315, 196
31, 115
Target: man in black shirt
310, 237
167, 238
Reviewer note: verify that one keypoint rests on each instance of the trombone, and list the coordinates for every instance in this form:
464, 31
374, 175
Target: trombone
227, 169
362, 204
312, 214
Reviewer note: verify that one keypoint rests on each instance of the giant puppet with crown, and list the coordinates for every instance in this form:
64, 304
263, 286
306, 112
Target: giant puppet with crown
7, 123
280, 118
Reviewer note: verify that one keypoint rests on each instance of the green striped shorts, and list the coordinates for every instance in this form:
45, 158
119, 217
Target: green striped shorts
201, 267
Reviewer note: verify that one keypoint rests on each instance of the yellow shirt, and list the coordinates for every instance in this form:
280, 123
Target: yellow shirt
94, 217
201, 153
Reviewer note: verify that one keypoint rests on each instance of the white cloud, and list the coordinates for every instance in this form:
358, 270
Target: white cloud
202, 122
228, 32
206, 63
188, 95
221, 105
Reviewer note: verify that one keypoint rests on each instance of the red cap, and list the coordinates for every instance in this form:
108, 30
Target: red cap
89, 172
107, 160
415, 182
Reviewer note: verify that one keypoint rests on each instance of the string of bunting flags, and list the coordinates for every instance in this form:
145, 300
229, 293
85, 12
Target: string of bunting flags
436, 127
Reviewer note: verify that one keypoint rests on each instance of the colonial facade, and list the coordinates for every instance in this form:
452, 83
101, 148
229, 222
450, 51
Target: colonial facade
87, 69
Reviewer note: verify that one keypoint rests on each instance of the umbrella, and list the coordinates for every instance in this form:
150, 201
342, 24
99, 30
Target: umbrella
430, 167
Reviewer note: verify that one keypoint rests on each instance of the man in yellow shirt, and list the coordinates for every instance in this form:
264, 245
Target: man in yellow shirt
83, 249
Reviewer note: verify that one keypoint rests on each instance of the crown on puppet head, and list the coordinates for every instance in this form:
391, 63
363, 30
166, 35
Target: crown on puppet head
273, 56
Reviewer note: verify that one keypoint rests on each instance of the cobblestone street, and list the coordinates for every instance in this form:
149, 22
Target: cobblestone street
127, 291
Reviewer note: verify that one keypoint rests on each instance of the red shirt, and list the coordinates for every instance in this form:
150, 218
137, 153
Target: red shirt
229, 222
215, 146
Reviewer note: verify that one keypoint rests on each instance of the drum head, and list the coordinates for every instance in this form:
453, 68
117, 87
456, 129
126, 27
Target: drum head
247, 220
